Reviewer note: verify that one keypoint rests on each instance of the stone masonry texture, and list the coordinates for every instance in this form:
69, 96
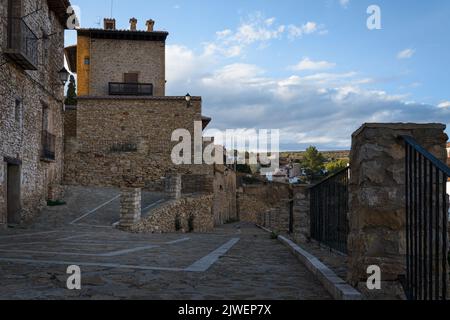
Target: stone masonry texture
131, 136
188, 214
130, 207
21, 129
111, 59
377, 196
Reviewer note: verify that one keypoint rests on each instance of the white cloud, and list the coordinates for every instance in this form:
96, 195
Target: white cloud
406, 54
259, 31
308, 64
305, 29
322, 108
444, 104
344, 3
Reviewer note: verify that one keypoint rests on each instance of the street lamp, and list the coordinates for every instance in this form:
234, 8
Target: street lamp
63, 75
188, 100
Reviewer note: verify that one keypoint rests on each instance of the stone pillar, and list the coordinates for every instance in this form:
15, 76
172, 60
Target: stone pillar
302, 221
173, 186
130, 203
377, 214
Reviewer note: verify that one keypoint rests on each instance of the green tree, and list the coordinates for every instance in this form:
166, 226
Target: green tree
244, 168
313, 162
334, 166
71, 98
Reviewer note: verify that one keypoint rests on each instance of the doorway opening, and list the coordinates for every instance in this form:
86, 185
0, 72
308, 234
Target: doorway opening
13, 200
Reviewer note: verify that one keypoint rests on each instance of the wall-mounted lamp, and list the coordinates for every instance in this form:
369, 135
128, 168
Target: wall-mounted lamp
63, 75
188, 100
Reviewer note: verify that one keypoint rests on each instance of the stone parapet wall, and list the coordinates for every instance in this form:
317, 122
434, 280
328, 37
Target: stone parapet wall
377, 198
302, 221
255, 200
188, 214
276, 219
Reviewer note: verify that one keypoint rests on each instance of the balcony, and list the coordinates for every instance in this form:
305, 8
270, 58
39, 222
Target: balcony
48, 146
130, 89
22, 46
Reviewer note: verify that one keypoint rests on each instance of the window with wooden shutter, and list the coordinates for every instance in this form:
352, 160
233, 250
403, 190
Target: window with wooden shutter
131, 77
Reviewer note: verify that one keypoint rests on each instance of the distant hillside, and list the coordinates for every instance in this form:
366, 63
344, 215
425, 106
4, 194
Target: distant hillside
298, 155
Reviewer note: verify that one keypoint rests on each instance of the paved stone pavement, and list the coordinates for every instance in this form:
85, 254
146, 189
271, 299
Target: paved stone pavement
236, 261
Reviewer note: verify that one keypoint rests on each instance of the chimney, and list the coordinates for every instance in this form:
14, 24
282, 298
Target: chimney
109, 24
150, 25
133, 24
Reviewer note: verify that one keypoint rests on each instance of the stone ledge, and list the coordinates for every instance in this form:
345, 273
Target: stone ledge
400, 126
337, 287
155, 98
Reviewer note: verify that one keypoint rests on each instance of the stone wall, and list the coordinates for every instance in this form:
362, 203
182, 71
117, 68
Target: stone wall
225, 201
377, 198
21, 122
301, 215
254, 200
70, 122
111, 58
197, 183
188, 214
129, 136
130, 207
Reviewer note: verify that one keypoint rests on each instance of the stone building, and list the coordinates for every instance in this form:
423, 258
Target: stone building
31, 105
123, 123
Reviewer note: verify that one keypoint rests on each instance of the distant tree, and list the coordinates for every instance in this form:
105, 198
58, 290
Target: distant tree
244, 168
71, 98
313, 162
334, 166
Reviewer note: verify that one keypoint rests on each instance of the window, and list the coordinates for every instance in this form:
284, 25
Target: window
132, 77
18, 111
48, 139
45, 117
87, 61
22, 42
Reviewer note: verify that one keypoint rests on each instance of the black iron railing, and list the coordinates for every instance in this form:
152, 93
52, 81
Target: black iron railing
48, 146
329, 210
426, 224
130, 89
22, 45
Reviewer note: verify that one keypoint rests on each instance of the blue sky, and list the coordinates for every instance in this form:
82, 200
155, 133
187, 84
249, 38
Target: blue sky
310, 68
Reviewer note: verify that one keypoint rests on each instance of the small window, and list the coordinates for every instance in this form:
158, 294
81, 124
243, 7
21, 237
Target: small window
18, 111
132, 77
87, 61
45, 117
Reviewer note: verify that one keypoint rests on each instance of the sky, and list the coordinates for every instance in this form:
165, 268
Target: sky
310, 68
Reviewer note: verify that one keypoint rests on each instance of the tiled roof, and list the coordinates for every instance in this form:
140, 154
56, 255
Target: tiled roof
124, 34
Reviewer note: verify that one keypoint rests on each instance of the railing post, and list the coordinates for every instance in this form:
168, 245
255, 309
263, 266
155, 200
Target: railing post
302, 223
377, 214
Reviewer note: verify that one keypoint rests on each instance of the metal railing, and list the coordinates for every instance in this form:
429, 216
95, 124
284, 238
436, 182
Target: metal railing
426, 224
130, 89
329, 210
48, 146
22, 44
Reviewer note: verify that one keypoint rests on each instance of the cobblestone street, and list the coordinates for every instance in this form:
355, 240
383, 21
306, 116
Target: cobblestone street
235, 262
